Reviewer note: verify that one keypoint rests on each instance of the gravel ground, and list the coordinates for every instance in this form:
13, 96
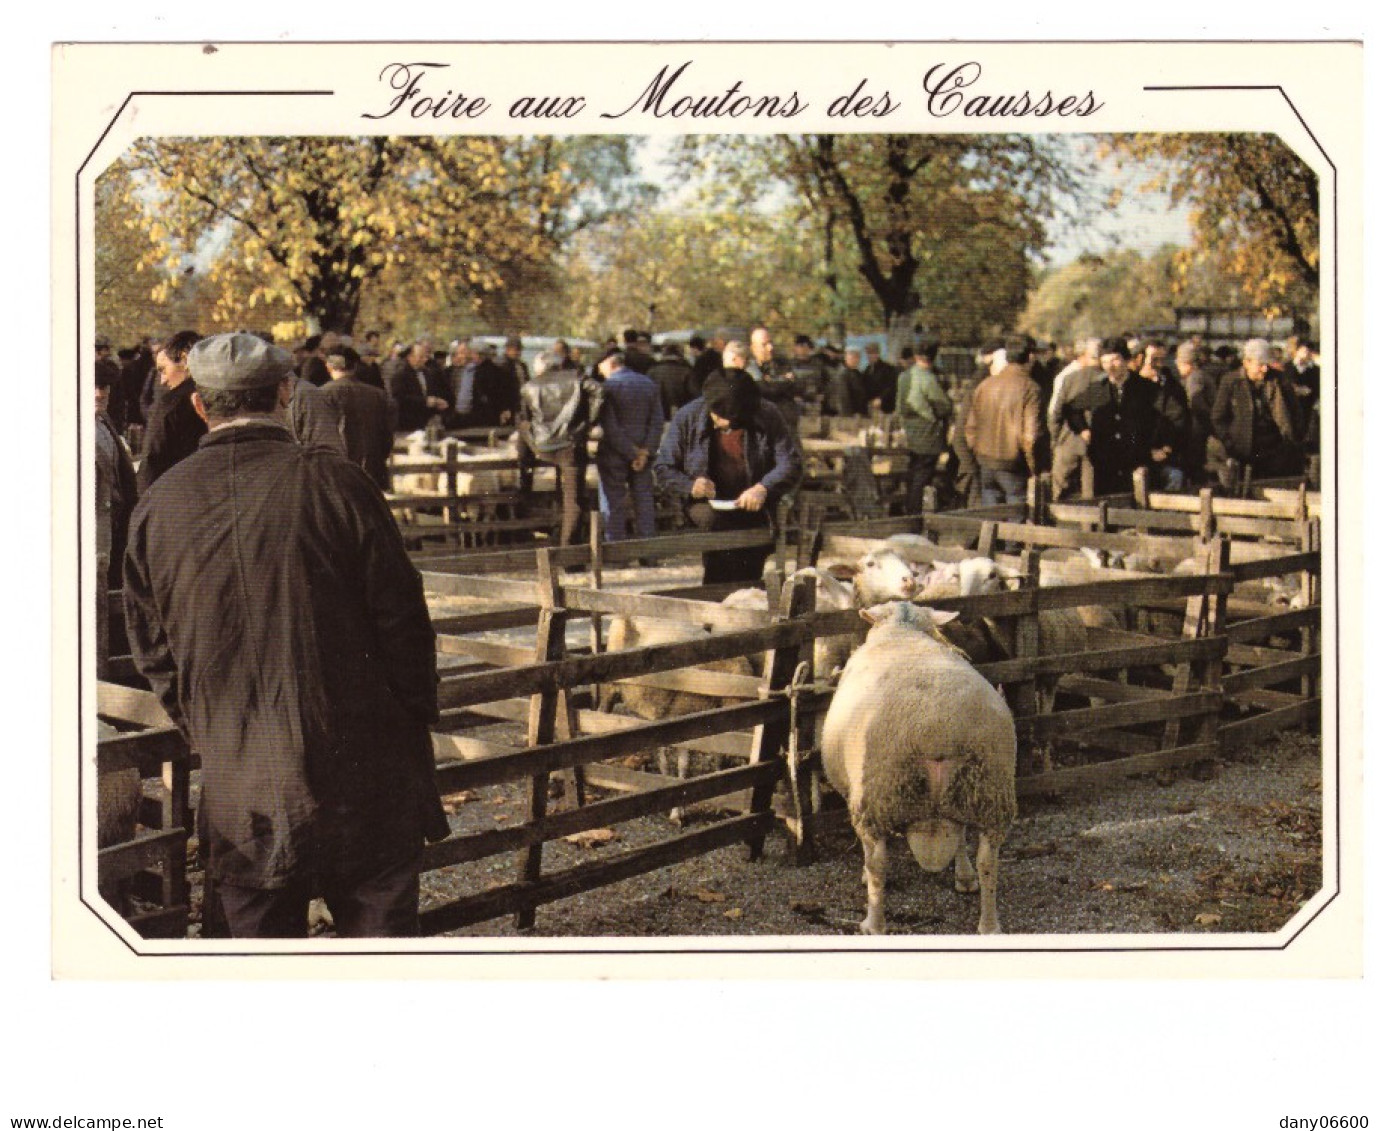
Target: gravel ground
1238, 853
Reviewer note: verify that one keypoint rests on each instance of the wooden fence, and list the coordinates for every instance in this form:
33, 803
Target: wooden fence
152, 867
1131, 702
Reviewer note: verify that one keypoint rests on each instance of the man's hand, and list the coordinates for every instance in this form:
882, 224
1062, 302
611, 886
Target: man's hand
702, 489
505, 417
753, 499
1086, 435
639, 461
437, 403
1159, 455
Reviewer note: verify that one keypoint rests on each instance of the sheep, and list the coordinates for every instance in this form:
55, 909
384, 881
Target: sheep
885, 575
118, 793
1061, 631
831, 595
656, 703
920, 745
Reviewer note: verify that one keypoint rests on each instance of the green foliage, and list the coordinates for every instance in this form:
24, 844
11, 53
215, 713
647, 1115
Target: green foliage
1122, 290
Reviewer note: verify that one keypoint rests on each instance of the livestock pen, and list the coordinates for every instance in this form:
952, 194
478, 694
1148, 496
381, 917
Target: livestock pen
1132, 702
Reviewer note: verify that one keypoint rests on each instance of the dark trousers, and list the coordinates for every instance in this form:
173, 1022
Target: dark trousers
919, 475
380, 904
731, 565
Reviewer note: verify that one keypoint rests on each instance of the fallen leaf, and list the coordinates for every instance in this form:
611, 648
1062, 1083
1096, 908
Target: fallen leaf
500, 816
1207, 919
592, 838
733, 913
806, 907
451, 802
704, 895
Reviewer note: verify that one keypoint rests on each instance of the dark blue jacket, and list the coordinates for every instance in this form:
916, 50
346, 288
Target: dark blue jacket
631, 417
773, 454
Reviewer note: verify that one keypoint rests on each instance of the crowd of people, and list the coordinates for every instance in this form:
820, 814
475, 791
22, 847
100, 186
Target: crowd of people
271, 604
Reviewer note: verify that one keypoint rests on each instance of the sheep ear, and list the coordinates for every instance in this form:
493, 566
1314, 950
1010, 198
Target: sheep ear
842, 572
868, 615
941, 617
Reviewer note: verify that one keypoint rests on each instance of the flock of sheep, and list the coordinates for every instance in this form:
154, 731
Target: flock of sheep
917, 743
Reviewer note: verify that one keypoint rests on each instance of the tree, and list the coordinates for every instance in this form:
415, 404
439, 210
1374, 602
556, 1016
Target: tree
125, 306
314, 222
1254, 208
912, 206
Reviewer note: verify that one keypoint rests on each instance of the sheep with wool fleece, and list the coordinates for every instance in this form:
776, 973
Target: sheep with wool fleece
920, 745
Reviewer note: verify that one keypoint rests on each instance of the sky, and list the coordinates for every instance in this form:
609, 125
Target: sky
1143, 221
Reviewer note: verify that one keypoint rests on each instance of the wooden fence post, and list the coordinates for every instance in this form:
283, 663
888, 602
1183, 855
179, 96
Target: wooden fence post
929, 500
1231, 476
541, 716
1207, 521
1308, 641
596, 577
1026, 696
769, 740
1301, 516
1204, 616
1140, 487
987, 538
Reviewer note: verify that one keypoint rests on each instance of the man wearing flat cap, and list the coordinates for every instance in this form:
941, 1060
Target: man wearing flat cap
271, 605
731, 448
1257, 416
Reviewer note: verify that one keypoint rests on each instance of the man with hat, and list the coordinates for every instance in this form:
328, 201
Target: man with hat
632, 419
271, 605
1257, 417
728, 458
365, 414
1115, 418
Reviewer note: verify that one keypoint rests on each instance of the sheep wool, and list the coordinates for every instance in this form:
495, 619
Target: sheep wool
920, 745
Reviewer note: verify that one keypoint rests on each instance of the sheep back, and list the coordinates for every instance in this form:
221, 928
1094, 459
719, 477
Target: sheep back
905, 699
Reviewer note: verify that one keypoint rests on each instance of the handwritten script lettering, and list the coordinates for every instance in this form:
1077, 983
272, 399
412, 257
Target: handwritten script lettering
732, 103
948, 90
406, 79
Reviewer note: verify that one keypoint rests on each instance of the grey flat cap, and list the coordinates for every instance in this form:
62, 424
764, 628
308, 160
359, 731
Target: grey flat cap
235, 363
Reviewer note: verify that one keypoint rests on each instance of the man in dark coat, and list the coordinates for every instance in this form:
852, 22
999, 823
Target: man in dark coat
404, 379
673, 376
108, 378
705, 358
881, 380
366, 424
174, 428
728, 458
1171, 436
1257, 417
847, 393
1115, 416
496, 393
271, 605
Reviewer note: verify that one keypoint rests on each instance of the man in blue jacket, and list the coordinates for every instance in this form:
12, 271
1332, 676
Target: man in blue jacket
728, 458
632, 420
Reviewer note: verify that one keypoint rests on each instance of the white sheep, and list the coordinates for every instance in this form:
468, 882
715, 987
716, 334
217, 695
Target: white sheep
920, 745
656, 703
